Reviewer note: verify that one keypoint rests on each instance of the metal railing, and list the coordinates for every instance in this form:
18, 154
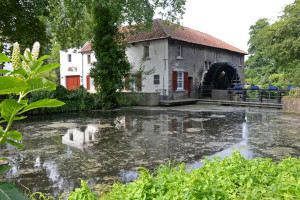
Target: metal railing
244, 95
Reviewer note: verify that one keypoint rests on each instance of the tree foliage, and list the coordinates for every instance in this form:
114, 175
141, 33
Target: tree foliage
275, 48
22, 21
71, 22
108, 72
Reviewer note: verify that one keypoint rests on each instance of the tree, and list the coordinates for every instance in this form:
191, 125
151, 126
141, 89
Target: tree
283, 40
258, 65
275, 48
111, 64
69, 18
21, 21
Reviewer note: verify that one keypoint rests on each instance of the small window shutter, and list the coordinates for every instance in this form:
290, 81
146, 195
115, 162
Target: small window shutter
88, 83
139, 82
174, 80
126, 83
186, 80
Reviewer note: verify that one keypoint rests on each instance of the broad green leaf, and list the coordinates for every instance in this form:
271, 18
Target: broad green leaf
35, 65
24, 59
5, 168
23, 102
43, 103
19, 71
43, 57
37, 84
6, 159
19, 118
4, 58
6, 119
13, 143
46, 68
10, 84
10, 192
29, 55
3, 71
14, 135
10, 107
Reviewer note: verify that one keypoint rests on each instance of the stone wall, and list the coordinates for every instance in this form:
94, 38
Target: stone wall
144, 99
291, 105
219, 95
193, 61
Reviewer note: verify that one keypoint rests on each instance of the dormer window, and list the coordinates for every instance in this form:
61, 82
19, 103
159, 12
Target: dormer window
179, 52
69, 58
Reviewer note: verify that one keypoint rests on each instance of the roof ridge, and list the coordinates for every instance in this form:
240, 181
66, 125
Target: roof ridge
163, 27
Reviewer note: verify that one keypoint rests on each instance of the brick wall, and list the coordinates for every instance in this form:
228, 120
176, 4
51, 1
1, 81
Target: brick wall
193, 62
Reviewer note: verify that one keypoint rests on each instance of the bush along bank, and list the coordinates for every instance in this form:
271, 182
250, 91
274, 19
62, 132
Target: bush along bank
235, 177
75, 100
232, 178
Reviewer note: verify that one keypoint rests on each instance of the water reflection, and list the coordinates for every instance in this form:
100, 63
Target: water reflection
103, 147
76, 138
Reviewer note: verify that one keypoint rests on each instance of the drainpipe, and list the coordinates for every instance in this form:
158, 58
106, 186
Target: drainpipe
165, 66
82, 69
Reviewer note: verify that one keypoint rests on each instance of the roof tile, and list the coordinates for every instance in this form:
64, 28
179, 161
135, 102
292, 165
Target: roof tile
160, 31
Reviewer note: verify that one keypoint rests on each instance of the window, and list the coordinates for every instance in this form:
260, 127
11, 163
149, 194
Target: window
179, 51
146, 52
88, 59
69, 57
179, 80
156, 79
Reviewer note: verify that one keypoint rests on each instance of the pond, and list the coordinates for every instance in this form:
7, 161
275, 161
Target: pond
107, 146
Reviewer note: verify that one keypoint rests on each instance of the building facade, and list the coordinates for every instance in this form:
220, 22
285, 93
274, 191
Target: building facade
179, 63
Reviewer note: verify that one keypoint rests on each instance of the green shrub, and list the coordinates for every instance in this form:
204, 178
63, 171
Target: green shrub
75, 100
232, 178
83, 193
294, 93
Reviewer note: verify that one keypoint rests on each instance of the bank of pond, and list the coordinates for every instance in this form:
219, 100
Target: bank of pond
140, 151
234, 177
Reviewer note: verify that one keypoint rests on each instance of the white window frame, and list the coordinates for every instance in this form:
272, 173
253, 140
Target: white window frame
180, 80
179, 52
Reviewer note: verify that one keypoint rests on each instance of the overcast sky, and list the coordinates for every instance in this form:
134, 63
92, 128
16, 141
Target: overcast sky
230, 20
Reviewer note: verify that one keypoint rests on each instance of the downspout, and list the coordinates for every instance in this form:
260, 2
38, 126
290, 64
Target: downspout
82, 69
165, 66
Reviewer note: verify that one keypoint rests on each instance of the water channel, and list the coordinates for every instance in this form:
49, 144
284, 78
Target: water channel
107, 146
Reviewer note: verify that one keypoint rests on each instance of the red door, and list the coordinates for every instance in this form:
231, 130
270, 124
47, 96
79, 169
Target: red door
73, 82
88, 83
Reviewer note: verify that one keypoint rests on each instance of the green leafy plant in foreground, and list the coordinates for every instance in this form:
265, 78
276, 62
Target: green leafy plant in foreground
232, 178
23, 80
83, 193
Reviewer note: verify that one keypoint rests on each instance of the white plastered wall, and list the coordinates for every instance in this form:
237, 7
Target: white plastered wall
158, 59
72, 68
87, 68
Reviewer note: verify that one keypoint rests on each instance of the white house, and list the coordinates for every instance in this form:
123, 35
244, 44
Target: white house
183, 61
